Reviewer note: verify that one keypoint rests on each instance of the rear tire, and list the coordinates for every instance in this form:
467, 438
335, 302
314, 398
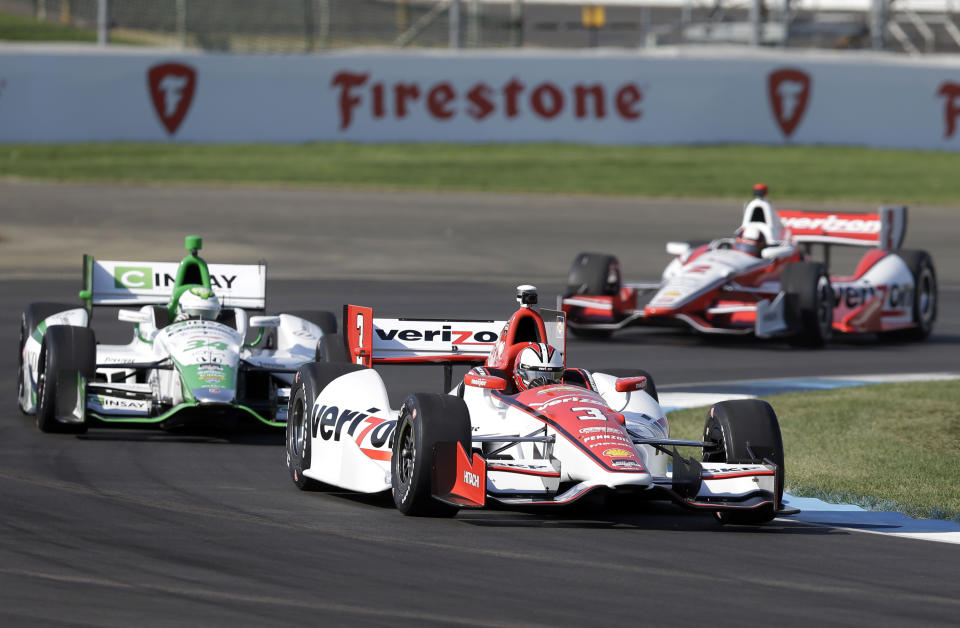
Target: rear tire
651, 388
425, 420
594, 274
311, 379
808, 303
66, 350
924, 296
331, 348
745, 431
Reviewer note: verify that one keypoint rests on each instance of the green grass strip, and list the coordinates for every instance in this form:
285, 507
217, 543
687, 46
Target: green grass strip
792, 172
21, 28
892, 447
27, 29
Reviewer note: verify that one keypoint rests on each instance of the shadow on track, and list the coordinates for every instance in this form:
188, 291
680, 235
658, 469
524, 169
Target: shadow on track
268, 439
594, 515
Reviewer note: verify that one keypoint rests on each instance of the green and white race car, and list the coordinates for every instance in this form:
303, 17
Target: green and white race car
196, 356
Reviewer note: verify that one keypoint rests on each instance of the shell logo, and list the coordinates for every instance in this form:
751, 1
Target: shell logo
617, 453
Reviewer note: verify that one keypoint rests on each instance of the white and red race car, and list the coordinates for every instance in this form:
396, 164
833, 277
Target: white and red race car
778, 291
486, 441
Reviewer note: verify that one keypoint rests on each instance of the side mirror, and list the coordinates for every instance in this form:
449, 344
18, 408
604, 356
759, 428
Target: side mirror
133, 316
490, 382
630, 384
264, 321
678, 248
773, 252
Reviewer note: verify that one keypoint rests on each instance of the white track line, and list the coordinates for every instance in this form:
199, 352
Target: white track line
815, 511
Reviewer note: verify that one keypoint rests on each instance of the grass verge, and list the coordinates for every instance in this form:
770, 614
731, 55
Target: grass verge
22, 28
801, 172
891, 447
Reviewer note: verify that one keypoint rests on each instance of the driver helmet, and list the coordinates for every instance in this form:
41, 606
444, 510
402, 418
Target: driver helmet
198, 302
750, 240
538, 365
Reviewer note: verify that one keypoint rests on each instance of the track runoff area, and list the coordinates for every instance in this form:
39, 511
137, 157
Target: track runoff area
816, 511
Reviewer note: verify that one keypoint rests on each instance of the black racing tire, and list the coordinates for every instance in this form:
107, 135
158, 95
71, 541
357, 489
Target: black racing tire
925, 296
331, 348
425, 420
808, 303
594, 274
35, 314
310, 380
651, 388
66, 349
744, 431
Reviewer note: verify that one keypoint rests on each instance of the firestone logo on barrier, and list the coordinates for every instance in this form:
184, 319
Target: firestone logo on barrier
442, 101
951, 106
789, 92
171, 89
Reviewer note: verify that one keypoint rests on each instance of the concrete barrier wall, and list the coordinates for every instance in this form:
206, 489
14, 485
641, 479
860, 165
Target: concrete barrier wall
698, 96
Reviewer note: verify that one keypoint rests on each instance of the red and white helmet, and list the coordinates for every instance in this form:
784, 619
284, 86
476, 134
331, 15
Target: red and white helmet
538, 364
750, 240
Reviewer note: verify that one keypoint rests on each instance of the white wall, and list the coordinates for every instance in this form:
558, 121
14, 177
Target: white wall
694, 96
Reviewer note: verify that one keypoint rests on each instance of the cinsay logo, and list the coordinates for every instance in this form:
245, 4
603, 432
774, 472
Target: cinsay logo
136, 277
171, 90
789, 91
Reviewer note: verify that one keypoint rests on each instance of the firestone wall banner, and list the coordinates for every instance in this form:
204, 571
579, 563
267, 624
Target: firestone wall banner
57, 94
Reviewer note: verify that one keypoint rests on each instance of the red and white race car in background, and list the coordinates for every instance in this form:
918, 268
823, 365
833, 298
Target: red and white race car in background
714, 288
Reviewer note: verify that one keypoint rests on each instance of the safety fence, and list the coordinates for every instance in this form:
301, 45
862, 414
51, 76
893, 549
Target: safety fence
297, 26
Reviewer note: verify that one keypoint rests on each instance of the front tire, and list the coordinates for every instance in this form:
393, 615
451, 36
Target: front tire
425, 420
31, 317
68, 355
808, 303
745, 431
310, 380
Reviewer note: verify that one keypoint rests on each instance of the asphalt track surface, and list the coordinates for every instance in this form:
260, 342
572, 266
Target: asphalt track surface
121, 527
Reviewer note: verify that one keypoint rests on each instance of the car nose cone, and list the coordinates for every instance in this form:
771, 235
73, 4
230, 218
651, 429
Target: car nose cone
213, 395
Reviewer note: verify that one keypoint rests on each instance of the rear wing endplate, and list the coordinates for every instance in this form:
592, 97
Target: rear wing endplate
885, 228
372, 340
152, 283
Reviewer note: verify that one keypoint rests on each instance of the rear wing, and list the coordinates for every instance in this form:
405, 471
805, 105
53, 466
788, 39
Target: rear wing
372, 340
885, 228
152, 283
